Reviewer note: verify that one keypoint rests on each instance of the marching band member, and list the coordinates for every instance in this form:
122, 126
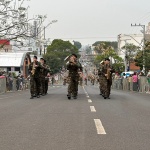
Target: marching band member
74, 67
34, 70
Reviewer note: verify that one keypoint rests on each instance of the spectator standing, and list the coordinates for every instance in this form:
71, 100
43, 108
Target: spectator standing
130, 82
10, 82
148, 80
135, 81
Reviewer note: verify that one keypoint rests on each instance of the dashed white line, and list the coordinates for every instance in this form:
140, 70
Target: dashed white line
98, 123
89, 100
99, 126
92, 109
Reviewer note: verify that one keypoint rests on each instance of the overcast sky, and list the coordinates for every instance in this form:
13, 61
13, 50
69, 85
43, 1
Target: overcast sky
88, 21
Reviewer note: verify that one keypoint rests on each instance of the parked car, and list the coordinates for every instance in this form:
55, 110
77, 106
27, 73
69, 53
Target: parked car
128, 73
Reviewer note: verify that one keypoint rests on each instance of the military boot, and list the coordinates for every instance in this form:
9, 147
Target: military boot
69, 96
31, 97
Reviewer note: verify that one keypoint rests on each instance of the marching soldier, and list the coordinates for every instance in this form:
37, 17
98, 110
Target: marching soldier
101, 76
105, 78
34, 70
47, 75
80, 78
42, 76
74, 67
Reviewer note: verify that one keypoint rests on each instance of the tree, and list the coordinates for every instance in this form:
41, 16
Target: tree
16, 26
117, 62
57, 52
100, 48
77, 44
88, 49
106, 44
13, 20
130, 52
139, 59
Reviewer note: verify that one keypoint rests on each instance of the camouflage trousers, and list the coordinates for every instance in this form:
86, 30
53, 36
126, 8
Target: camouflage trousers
42, 88
100, 84
34, 86
73, 85
105, 86
46, 85
80, 81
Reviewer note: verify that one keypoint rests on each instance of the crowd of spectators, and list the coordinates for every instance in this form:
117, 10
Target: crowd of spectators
13, 82
133, 79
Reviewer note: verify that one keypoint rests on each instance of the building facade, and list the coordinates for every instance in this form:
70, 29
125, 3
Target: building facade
15, 62
123, 39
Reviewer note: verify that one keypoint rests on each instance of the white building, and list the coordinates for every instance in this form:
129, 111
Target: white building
15, 62
148, 28
123, 39
136, 39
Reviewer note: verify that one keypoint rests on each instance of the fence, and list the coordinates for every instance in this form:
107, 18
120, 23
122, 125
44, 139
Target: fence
2, 85
12, 86
124, 84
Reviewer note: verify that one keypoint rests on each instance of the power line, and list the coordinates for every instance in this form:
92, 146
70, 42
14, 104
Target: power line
85, 38
143, 17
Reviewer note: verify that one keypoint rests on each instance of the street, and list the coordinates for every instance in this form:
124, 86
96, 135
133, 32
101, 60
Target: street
53, 122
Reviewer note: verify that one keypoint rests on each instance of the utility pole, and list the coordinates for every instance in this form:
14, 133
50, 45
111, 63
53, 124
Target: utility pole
143, 48
127, 61
44, 41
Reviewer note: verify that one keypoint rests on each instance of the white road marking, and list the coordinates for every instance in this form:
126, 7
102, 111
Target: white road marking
99, 126
87, 96
89, 100
92, 109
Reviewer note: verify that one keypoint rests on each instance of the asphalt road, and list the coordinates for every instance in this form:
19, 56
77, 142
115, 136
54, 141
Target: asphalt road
53, 122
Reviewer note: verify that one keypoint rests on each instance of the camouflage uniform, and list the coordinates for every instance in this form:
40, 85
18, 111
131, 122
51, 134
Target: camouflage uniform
73, 78
80, 78
105, 84
101, 78
46, 78
42, 79
35, 79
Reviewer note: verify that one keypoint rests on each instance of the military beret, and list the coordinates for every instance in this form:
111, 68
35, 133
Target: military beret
74, 55
35, 57
107, 59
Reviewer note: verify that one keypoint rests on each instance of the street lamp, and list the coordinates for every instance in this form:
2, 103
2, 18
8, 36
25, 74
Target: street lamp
53, 21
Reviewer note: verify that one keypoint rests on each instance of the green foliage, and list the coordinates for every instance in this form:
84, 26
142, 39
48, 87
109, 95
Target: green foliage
117, 62
14, 74
139, 57
57, 52
130, 50
77, 44
106, 44
88, 49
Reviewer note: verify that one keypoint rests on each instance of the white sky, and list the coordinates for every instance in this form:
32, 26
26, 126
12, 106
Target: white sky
88, 21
